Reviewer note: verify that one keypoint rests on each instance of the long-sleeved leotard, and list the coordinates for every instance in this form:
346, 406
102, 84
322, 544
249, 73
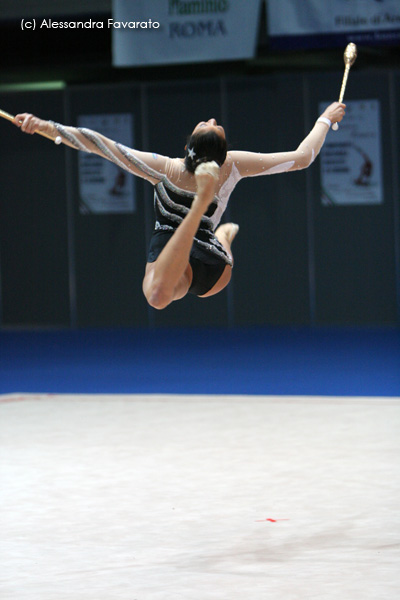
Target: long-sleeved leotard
175, 187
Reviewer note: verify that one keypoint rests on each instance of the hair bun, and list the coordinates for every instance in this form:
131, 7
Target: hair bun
205, 147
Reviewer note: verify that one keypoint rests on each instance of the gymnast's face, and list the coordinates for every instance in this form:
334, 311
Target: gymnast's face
210, 125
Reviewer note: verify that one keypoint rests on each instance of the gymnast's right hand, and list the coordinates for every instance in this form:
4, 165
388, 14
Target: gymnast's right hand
29, 123
335, 112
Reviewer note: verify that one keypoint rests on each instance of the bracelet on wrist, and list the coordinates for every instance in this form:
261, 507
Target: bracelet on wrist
325, 120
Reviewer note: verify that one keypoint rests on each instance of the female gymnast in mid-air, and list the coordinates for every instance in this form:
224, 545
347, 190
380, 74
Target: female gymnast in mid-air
188, 252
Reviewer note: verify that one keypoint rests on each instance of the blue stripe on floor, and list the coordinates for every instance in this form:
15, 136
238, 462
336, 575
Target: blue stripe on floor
267, 361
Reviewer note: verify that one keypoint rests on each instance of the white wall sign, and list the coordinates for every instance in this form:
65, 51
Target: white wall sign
103, 186
351, 165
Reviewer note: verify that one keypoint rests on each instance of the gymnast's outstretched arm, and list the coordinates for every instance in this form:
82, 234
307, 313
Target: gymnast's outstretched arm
251, 164
151, 167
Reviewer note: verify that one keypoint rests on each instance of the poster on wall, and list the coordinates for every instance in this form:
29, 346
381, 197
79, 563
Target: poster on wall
350, 160
313, 24
103, 186
182, 31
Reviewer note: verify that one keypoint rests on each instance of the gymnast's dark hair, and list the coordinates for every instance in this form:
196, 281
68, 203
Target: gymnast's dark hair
206, 146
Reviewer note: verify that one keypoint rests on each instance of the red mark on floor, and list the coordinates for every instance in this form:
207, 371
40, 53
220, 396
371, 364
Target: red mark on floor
272, 520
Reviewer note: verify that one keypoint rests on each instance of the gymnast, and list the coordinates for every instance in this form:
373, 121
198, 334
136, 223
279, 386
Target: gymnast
189, 251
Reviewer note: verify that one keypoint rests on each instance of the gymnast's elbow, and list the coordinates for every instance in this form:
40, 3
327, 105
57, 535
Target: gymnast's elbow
304, 160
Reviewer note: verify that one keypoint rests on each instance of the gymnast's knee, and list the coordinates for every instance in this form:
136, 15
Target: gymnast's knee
158, 296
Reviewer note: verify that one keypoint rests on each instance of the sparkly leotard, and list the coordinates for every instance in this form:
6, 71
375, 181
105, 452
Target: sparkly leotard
175, 187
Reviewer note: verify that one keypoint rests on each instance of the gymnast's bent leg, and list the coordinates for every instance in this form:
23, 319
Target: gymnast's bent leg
225, 234
169, 277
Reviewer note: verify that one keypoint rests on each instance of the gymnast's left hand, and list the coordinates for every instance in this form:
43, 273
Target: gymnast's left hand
29, 123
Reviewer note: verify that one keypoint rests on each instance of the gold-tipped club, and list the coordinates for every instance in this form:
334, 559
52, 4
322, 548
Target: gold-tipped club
349, 57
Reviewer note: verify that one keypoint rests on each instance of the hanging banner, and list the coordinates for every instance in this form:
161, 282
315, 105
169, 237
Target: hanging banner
312, 24
351, 167
183, 31
103, 186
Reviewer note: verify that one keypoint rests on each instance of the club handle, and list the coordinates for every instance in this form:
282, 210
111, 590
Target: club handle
350, 56
344, 83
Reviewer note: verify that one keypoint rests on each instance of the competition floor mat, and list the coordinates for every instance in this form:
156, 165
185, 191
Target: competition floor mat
199, 497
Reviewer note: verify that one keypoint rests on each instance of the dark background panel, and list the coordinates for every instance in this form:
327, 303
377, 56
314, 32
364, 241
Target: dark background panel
33, 223
296, 261
355, 274
109, 248
173, 110
395, 120
265, 114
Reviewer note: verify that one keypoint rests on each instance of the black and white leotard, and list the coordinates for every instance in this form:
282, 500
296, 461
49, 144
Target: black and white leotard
175, 187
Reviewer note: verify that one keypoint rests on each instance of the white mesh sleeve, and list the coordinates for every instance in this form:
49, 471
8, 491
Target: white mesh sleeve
251, 164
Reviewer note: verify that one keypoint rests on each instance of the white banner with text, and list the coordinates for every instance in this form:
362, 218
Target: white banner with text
313, 23
183, 31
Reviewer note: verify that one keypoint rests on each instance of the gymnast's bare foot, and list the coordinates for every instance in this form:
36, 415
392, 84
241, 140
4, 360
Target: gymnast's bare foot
227, 232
